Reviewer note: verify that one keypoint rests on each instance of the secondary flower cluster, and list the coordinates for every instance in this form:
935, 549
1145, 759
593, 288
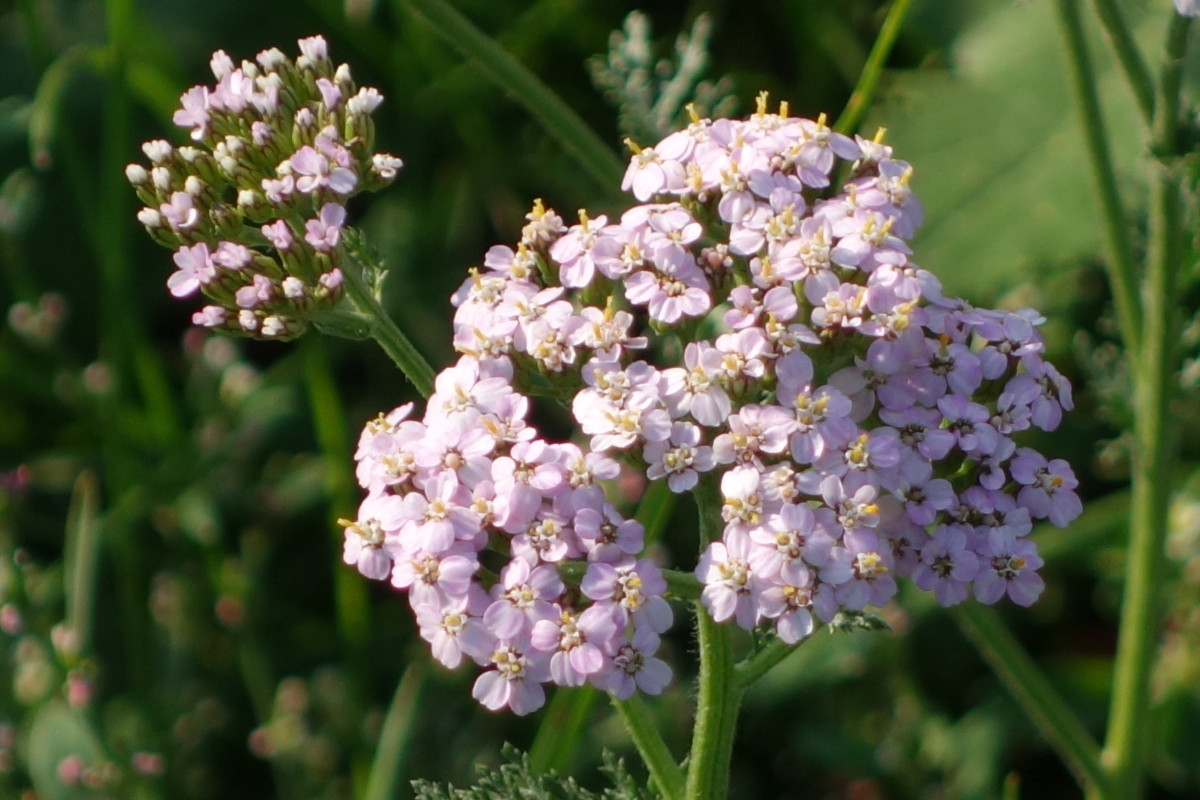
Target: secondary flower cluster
254, 211
747, 326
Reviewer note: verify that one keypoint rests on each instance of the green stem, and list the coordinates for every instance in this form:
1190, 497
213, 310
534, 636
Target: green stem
664, 772
1125, 746
559, 120
81, 557
1121, 40
395, 739
762, 662
393, 341
719, 696
868, 80
1045, 707
1122, 274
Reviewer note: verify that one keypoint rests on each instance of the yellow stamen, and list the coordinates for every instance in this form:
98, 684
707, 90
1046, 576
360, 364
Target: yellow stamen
761, 100
879, 134
783, 108
691, 109
632, 145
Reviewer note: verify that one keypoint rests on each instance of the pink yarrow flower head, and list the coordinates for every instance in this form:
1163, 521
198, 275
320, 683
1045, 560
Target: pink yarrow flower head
776, 355
290, 140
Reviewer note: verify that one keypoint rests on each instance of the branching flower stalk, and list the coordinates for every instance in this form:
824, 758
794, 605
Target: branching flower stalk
752, 332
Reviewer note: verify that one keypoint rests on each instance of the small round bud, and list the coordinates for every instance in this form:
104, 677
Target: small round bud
137, 175
162, 178
158, 151
272, 59
150, 218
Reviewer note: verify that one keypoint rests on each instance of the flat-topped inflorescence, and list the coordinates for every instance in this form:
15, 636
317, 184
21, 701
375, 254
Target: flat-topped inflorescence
255, 207
857, 422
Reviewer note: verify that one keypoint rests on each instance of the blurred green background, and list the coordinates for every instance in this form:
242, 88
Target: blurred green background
193, 481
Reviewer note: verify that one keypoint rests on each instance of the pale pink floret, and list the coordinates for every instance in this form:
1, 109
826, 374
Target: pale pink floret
632, 590
195, 113
669, 298
577, 643
524, 596
680, 459
195, 270
515, 681
731, 588
634, 667
694, 388
325, 233
455, 628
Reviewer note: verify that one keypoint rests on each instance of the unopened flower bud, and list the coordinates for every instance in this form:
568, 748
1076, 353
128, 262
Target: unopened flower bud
194, 186
158, 151
293, 288
150, 218
271, 59
137, 175
221, 64
210, 317
162, 179
365, 102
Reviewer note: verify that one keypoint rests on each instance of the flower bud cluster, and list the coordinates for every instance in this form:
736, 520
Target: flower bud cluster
858, 423
254, 209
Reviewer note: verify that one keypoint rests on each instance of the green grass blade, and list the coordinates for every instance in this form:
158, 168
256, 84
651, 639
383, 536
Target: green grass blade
81, 557
391, 754
1033, 692
558, 736
559, 119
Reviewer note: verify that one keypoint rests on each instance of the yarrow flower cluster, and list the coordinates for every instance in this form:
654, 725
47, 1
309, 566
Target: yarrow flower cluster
857, 422
254, 210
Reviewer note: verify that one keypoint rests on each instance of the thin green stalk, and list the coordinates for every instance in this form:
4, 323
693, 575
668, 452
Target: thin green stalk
718, 697
395, 739
1125, 746
81, 557
665, 774
864, 92
1122, 274
1045, 707
1120, 39
329, 421
393, 341
762, 662
562, 727
559, 119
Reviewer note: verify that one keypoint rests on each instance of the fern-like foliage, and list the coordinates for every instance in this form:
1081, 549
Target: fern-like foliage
651, 95
516, 781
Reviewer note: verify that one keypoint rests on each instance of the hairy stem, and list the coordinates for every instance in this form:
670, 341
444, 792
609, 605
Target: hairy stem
664, 772
762, 662
1119, 262
393, 341
1120, 39
719, 695
1155, 379
864, 92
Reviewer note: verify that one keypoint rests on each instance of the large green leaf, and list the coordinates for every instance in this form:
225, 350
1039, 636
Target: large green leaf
996, 145
58, 732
